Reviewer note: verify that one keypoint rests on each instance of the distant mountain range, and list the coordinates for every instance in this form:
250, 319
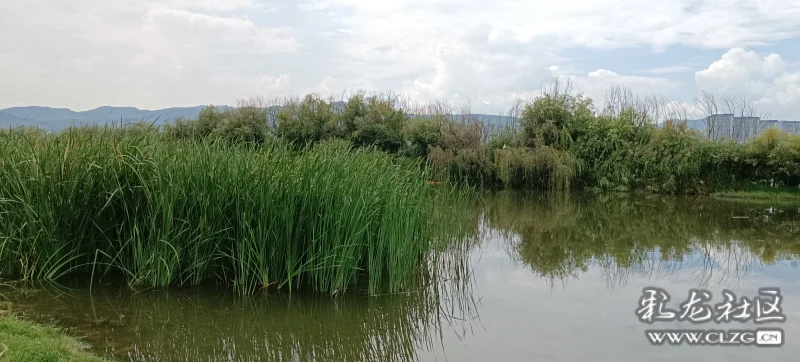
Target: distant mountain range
60, 118
56, 119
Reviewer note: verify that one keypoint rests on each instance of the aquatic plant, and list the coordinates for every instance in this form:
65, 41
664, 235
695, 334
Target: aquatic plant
172, 212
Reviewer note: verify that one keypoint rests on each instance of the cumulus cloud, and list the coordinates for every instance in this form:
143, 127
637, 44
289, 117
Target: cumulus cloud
469, 51
491, 81
150, 53
154, 53
766, 80
593, 23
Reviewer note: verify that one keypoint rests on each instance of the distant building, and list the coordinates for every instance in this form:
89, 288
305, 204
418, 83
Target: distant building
770, 124
791, 126
740, 129
718, 126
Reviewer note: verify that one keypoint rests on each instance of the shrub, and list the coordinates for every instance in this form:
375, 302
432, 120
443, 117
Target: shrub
672, 160
505, 138
558, 133
555, 119
468, 166
208, 119
308, 121
380, 125
422, 133
774, 157
543, 168
242, 125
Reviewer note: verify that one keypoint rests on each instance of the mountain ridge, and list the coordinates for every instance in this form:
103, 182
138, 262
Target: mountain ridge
56, 119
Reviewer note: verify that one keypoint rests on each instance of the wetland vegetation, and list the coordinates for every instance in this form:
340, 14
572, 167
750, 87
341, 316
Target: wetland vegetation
288, 205
523, 259
24, 341
167, 212
557, 141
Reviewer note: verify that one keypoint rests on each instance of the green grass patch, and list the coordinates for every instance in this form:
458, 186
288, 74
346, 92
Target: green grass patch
761, 193
23, 341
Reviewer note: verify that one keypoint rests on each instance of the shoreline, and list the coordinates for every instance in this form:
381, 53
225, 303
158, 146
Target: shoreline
22, 340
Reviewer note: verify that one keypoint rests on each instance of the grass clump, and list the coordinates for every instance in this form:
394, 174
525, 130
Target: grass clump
761, 193
22, 341
176, 212
536, 168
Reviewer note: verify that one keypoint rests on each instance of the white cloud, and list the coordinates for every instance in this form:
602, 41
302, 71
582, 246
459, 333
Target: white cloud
84, 64
464, 76
150, 53
593, 23
668, 70
153, 53
234, 34
252, 86
147, 24
222, 5
767, 80
737, 66
327, 87
467, 50
597, 83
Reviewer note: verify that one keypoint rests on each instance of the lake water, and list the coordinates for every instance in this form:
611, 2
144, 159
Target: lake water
541, 278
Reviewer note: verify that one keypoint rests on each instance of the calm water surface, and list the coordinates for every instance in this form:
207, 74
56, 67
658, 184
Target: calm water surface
543, 278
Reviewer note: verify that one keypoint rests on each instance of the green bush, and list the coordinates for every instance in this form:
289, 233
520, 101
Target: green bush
672, 160
182, 128
208, 119
555, 119
421, 134
542, 168
774, 158
505, 138
242, 125
311, 120
557, 141
379, 124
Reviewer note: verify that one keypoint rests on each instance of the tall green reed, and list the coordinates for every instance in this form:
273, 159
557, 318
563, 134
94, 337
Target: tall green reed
167, 212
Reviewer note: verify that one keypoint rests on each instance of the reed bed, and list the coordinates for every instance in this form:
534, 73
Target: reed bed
167, 212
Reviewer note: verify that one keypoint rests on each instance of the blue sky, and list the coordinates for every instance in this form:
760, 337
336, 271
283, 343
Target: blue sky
160, 53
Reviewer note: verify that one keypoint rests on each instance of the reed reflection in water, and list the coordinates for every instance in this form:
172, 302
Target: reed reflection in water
470, 305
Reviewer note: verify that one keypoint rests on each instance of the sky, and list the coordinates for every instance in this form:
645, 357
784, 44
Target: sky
151, 54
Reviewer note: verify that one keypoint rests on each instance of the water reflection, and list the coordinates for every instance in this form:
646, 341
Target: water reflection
600, 251
211, 324
560, 237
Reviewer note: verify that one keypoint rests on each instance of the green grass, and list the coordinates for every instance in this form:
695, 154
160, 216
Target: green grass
25, 342
168, 212
761, 193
